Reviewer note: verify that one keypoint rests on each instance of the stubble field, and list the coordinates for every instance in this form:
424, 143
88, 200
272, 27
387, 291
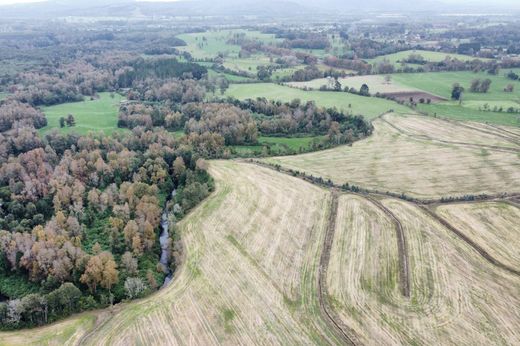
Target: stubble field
457, 297
420, 157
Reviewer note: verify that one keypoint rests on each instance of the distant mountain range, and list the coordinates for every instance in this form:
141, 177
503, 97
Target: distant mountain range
274, 8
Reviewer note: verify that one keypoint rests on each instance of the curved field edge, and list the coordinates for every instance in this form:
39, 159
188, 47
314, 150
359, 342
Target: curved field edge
250, 274
450, 161
457, 296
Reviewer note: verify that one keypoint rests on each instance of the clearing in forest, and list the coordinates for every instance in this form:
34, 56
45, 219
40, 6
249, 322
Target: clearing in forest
90, 115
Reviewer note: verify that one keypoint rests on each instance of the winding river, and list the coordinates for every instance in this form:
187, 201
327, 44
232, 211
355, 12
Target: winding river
164, 240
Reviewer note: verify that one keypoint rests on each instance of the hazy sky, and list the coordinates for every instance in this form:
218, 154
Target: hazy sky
7, 2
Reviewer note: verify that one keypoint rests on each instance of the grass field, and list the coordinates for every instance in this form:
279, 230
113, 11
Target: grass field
231, 78
430, 56
97, 115
422, 157
359, 105
376, 83
211, 43
67, 332
457, 297
249, 276
473, 105
249, 65
277, 145
441, 83
3, 96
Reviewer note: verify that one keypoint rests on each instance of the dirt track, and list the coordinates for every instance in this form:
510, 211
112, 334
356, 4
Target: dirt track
486, 255
343, 331
404, 267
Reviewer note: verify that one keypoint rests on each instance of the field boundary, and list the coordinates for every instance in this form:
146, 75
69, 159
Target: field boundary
402, 247
342, 330
363, 191
486, 255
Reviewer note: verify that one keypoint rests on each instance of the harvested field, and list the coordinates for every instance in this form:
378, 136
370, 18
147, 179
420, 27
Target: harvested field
250, 274
457, 297
67, 332
492, 226
429, 159
429, 128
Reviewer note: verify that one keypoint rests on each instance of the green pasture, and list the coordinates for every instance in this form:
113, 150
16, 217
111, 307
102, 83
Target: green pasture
430, 56
96, 115
358, 105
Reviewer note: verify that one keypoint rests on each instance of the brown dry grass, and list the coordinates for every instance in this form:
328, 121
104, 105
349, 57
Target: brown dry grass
250, 275
437, 165
494, 226
457, 297
252, 249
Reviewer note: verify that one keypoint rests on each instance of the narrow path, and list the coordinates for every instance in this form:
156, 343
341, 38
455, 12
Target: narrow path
486, 255
344, 332
404, 268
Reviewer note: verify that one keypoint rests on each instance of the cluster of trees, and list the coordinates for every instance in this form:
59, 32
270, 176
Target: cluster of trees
161, 68
80, 215
350, 64
169, 90
292, 118
235, 125
70, 121
480, 86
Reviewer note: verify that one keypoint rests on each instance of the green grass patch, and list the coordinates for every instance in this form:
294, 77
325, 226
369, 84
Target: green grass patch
398, 57
277, 145
441, 84
211, 43
230, 77
97, 115
452, 110
369, 107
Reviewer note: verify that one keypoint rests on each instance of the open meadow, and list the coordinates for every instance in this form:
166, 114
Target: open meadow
90, 115
420, 157
376, 84
495, 107
400, 57
370, 108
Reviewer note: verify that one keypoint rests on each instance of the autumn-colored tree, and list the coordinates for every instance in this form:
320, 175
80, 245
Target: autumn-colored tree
179, 167
93, 273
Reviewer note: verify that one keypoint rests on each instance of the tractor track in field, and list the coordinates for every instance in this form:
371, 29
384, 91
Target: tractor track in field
486, 255
402, 247
343, 331
467, 144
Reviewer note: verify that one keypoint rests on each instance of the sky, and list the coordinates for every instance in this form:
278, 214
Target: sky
502, 2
